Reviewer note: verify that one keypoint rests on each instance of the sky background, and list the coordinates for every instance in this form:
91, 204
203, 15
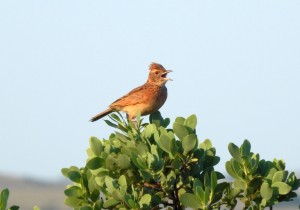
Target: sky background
236, 66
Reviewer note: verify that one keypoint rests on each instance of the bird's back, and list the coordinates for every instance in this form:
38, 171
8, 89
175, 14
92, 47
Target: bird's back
147, 98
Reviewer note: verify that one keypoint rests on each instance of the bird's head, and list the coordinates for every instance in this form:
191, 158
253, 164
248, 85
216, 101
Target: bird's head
158, 74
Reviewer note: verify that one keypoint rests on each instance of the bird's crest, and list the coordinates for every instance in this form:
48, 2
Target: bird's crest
156, 66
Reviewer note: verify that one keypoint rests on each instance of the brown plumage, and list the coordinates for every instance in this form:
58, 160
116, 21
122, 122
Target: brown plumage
145, 99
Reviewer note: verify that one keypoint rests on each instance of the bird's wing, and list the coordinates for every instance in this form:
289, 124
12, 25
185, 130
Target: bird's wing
135, 96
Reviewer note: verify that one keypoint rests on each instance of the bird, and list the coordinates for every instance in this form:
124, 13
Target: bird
145, 99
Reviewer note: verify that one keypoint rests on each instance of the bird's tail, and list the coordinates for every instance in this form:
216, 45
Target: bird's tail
102, 114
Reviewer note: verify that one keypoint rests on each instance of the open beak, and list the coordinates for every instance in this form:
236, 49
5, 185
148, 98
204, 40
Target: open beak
164, 75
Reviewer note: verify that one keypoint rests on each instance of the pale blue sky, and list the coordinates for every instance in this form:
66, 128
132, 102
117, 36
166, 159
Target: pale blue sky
236, 66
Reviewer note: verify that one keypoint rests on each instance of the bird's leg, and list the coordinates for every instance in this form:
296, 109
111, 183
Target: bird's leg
131, 118
135, 124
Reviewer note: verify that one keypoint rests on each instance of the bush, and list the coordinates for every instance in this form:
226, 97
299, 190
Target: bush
150, 166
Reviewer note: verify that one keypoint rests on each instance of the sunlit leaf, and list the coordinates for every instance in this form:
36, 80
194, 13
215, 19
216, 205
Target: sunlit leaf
190, 200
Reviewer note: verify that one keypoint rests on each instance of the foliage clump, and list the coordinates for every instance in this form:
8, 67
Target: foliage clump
151, 166
4, 200
4, 195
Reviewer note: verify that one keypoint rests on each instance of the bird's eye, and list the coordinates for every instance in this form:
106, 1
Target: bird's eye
156, 72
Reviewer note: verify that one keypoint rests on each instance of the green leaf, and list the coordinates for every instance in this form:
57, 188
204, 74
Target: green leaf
123, 161
109, 182
280, 176
130, 202
191, 122
206, 195
95, 195
73, 191
109, 123
245, 148
167, 144
121, 136
230, 170
271, 173
171, 178
234, 151
201, 194
166, 122
75, 176
15, 208
156, 119
4, 198
255, 183
235, 192
237, 168
189, 143
95, 163
255, 163
238, 183
216, 160
36, 208
263, 203
180, 120
116, 194
164, 143
218, 193
96, 146
280, 164
115, 117
177, 162
219, 175
110, 203
146, 175
149, 130
154, 150
73, 202
98, 205
197, 183
86, 208
293, 181
122, 181
190, 200
206, 180
64, 171
213, 180
266, 191
282, 187
138, 161
173, 148
206, 144
180, 130
145, 200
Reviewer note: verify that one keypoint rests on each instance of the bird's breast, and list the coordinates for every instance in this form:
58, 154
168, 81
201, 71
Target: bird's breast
157, 99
